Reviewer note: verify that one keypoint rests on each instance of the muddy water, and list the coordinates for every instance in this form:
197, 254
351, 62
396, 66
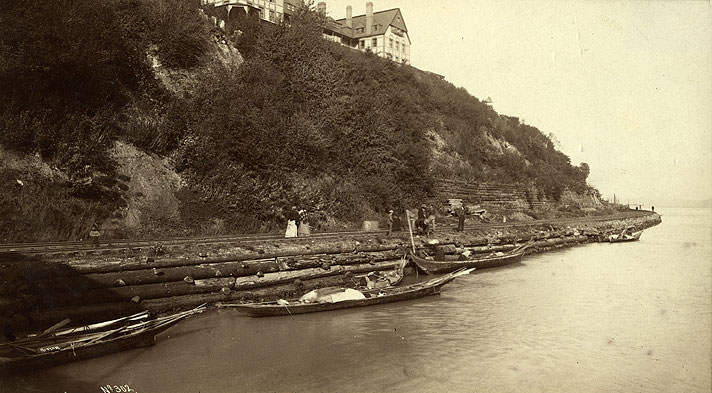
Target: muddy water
629, 317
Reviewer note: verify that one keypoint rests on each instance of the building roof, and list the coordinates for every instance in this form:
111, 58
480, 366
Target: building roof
392, 17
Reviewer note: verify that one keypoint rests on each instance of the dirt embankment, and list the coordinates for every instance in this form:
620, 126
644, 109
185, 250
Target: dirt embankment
95, 285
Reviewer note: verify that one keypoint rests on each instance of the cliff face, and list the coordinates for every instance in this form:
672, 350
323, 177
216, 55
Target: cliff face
195, 138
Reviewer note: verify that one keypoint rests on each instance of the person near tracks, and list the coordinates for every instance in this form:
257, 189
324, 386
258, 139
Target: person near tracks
389, 221
460, 212
303, 228
420, 224
94, 234
292, 217
431, 219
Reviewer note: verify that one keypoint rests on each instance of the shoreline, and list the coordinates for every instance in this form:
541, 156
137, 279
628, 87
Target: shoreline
86, 287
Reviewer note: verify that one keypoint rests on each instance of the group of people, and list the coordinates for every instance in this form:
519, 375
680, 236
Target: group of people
297, 223
424, 224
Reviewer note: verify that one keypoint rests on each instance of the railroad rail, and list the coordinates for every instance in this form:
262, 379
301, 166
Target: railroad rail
114, 244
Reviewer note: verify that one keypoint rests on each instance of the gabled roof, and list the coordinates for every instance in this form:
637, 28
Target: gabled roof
392, 17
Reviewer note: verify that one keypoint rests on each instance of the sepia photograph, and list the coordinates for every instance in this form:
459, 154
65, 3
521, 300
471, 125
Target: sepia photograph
213, 196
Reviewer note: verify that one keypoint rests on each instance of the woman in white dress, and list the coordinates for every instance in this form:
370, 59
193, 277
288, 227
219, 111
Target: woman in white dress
292, 217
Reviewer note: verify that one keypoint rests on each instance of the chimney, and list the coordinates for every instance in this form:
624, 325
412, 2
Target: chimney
369, 18
349, 22
321, 8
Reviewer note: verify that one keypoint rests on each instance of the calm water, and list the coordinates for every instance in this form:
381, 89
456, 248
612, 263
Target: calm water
629, 317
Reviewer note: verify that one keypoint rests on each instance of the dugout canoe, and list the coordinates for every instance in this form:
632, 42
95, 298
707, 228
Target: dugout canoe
47, 351
371, 297
624, 237
432, 266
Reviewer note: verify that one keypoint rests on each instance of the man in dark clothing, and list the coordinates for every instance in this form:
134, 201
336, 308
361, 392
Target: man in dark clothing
460, 218
420, 223
293, 214
396, 223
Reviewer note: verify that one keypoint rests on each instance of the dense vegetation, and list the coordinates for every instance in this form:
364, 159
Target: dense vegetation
301, 122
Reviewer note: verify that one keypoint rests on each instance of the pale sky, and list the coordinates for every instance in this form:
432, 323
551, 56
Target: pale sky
625, 86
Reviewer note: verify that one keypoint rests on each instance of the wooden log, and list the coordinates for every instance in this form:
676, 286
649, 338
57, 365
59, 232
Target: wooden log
181, 287
158, 275
147, 291
204, 271
103, 266
288, 276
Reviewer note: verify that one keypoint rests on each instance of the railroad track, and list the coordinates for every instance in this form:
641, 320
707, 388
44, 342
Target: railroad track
114, 244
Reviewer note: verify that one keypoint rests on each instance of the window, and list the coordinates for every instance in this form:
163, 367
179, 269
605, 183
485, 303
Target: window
390, 43
404, 49
374, 42
362, 44
271, 16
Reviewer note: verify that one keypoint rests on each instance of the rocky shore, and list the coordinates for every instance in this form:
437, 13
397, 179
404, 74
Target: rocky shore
39, 290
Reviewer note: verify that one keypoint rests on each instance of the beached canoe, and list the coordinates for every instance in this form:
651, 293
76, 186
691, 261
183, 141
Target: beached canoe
432, 266
368, 298
46, 351
625, 237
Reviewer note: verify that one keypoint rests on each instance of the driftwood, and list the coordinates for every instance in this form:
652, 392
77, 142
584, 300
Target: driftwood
107, 266
195, 286
204, 271
119, 307
288, 276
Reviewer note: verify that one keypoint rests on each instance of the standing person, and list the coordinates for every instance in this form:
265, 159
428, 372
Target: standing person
303, 229
389, 221
420, 223
292, 217
94, 233
397, 224
431, 218
460, 211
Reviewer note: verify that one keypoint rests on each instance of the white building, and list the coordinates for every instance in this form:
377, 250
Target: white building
383, 33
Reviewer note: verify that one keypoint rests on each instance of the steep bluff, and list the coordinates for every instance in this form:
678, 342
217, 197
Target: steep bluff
175, 127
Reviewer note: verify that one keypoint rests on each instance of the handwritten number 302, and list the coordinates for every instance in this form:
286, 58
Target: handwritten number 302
116, 389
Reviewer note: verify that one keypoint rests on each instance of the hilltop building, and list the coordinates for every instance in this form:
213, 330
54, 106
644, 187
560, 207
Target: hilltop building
230, 11
383, 33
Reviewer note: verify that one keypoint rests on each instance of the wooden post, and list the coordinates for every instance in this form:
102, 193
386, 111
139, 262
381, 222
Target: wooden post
410, 230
